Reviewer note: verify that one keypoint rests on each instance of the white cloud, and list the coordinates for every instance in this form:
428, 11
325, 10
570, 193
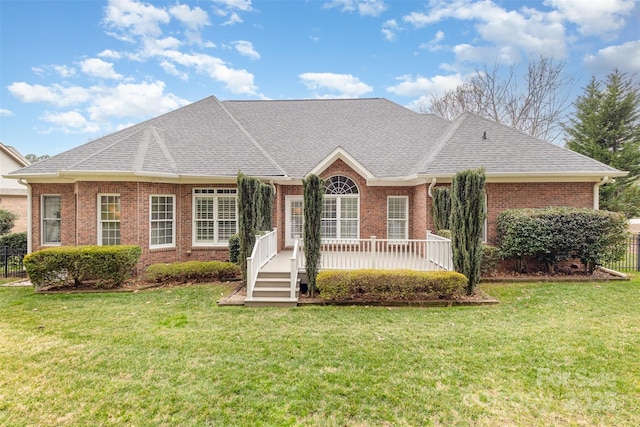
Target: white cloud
96, 67
530, 30
5, 112
132, 19
245, 48
61, 96
231, 9
434, 44
69, 122
171, 68
235, 80
346, 85
111, 54
194, 19
598, 18
419, 85
64, 70
389, 29
133, 100
625, 57
364, 7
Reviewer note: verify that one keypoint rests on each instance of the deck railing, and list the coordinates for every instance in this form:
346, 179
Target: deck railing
265, 248
296, 260
433, 253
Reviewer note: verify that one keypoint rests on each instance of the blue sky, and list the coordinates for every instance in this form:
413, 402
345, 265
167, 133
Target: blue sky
72, 71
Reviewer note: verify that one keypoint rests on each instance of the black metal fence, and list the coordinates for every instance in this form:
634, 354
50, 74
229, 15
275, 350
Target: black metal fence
631, 260
12, 262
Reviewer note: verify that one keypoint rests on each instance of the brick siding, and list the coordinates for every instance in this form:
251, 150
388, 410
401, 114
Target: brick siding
79, 210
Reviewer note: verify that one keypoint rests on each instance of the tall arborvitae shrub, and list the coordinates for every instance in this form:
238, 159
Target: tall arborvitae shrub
441, 208
249, 196
313, 193
467, 221
266, 206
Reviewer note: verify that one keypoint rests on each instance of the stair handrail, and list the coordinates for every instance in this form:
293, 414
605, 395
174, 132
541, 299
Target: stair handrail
294, 267
265, 248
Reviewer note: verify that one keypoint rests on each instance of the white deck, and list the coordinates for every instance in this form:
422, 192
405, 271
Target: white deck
338, 260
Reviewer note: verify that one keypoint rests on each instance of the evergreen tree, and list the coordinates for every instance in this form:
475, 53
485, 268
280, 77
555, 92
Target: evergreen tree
441, 208
249, 196
313, 187
606, 127
467, 221
266, 206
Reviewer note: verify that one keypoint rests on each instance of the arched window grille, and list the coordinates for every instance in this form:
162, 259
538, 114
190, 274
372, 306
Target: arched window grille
341, 209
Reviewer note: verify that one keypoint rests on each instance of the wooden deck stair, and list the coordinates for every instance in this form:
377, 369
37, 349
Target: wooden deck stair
272, 289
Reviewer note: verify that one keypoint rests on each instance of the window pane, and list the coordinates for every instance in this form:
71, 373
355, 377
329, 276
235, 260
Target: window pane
161, 220
111, 233
397, 208
329, 229
349, 208
227, 208
396, 229
349, 229
329, 208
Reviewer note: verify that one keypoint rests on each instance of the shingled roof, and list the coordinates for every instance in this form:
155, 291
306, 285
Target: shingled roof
288, 139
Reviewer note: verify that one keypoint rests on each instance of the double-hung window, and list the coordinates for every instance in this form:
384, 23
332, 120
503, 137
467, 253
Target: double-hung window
214, 216
51, 219
162, 230
108, 219
397, 217
340, 209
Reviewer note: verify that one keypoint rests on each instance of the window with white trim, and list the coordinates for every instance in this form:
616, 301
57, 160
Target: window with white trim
215, 216
51, 219
162, 215
397, 217
108, 219
340, 209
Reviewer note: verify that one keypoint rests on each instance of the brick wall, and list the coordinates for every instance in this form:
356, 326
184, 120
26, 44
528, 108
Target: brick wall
79, 210
534, 195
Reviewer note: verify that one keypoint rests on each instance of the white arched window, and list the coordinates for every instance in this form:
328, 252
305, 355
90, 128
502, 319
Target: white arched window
341, 209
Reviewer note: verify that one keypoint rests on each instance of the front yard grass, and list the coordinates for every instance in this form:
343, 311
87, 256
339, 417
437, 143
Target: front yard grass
549, 354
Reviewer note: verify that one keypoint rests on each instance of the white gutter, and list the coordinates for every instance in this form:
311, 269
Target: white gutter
433, 184
29, 214
596, 192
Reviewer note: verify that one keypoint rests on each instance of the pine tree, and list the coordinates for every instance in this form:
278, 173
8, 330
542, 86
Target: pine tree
266, 206
606, 127
313, 187
467, 221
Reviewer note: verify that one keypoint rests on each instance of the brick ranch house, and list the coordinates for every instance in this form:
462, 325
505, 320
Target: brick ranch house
169, 184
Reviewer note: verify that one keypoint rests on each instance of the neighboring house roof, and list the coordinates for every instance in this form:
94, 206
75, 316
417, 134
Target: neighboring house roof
14, 154
289, 139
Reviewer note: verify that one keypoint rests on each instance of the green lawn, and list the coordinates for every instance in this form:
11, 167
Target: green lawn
549, 354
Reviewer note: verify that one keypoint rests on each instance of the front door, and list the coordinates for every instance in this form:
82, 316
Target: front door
294, 219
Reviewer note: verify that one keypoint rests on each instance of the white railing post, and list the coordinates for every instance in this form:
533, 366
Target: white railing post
294, 268
372, 253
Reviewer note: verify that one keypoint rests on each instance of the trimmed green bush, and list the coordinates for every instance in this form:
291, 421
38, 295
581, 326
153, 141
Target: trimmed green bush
193, 272
14, 241
444, 233
491, 256
234, 248
105, 266
556, 234
7, 220
339, 285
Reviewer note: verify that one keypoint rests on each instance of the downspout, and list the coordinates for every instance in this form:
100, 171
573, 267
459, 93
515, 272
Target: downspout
29, 214
596, 192
433, 184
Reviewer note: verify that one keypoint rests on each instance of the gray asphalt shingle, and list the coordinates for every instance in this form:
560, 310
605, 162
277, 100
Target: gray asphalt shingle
278, 138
